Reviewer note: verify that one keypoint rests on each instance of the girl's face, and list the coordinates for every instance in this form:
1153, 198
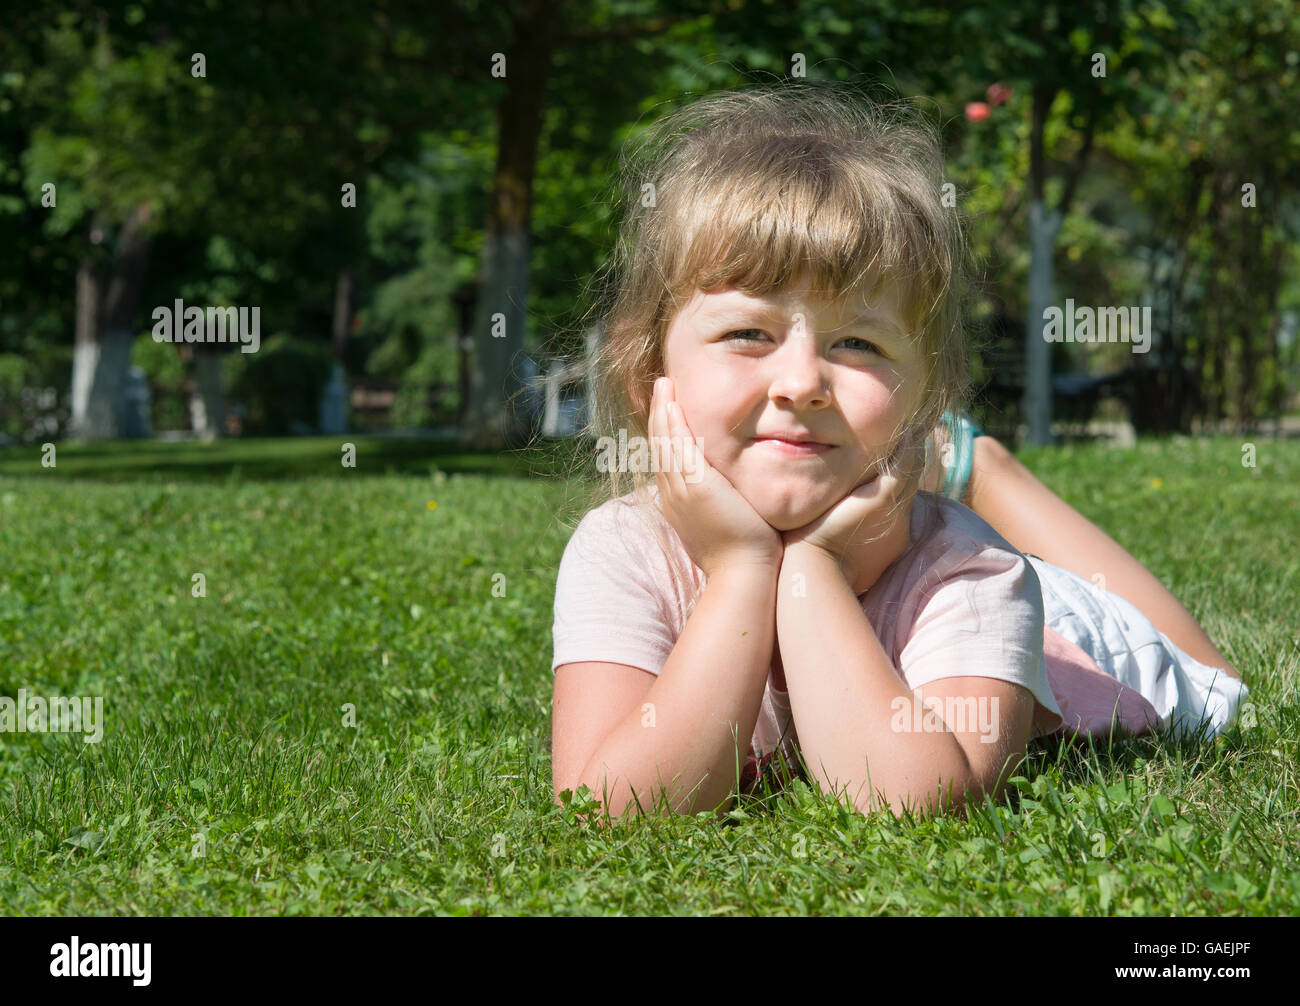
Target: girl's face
747, 370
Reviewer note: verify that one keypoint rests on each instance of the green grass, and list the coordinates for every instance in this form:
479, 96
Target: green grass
224, 715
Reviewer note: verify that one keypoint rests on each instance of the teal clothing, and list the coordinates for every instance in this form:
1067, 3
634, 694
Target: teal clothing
963, 433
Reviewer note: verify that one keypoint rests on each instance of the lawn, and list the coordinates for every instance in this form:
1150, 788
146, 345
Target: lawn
354, 721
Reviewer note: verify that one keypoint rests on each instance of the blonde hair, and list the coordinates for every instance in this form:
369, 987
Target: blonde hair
751, 189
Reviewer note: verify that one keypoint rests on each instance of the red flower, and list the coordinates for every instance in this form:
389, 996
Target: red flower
977, 111
998, 93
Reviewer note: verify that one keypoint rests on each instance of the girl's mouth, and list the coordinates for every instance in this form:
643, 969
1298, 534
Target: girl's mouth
792, 450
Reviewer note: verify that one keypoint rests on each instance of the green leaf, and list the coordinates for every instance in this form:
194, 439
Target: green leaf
1106, 884
84, 838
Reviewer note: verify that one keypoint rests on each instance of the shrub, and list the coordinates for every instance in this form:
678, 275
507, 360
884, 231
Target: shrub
35, 394
159, 360
165, 371
13, 377
280, 384
410, 407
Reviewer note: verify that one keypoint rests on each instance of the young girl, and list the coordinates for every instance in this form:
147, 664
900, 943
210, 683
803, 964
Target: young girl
784, 329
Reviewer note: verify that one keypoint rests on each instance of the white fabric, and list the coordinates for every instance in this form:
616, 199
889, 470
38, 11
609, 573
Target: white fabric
1125, 645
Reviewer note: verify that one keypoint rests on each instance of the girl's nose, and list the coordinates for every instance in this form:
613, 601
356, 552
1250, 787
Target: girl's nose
799, 373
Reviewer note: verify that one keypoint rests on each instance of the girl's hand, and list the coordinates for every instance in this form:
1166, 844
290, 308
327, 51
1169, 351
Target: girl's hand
866, 531
716, 524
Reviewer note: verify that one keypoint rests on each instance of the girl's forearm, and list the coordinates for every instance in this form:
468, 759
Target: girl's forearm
694, 727
843, 690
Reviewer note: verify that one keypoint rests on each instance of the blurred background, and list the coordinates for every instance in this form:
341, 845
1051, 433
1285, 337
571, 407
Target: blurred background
415, 198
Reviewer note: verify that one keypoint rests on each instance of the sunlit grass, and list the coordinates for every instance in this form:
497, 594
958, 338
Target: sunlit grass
231, 780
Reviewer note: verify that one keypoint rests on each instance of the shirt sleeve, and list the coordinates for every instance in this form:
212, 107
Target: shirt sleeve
981, 617
609, 604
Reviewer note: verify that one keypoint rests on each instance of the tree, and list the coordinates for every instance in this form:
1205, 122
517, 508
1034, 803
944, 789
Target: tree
105, 113
1080, 64
1213, 165
539, 32
233, 128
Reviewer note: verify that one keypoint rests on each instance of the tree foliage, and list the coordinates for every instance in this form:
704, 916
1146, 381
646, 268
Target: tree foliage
242, 168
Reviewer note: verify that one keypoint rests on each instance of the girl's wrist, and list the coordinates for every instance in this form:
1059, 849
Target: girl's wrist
746, 565
801, 556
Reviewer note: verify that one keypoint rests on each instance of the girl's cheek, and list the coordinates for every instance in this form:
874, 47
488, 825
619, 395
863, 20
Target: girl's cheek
882, 407
705, 410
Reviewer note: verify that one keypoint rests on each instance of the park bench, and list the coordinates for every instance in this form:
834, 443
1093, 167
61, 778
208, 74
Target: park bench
999, 398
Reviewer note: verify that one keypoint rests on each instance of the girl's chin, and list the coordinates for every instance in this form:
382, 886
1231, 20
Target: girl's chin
788, 514
788, 501
782, 524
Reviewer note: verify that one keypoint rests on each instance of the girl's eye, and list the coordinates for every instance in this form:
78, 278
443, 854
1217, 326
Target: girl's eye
870, 347
863, 345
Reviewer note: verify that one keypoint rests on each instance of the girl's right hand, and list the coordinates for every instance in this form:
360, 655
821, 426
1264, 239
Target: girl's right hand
716, 524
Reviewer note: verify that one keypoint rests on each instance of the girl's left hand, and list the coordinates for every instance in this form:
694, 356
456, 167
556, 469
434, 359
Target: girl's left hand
866, 531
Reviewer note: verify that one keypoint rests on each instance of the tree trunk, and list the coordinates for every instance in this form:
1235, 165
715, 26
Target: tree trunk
463, 298
1044, 225
207, 404
493, 417
334, 396
342, 317
105, 319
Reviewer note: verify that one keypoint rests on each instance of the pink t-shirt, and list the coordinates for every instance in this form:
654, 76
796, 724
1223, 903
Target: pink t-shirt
960, 602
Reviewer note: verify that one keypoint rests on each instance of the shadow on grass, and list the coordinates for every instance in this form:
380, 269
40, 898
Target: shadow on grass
1083, 760
1079, 761
276, 459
